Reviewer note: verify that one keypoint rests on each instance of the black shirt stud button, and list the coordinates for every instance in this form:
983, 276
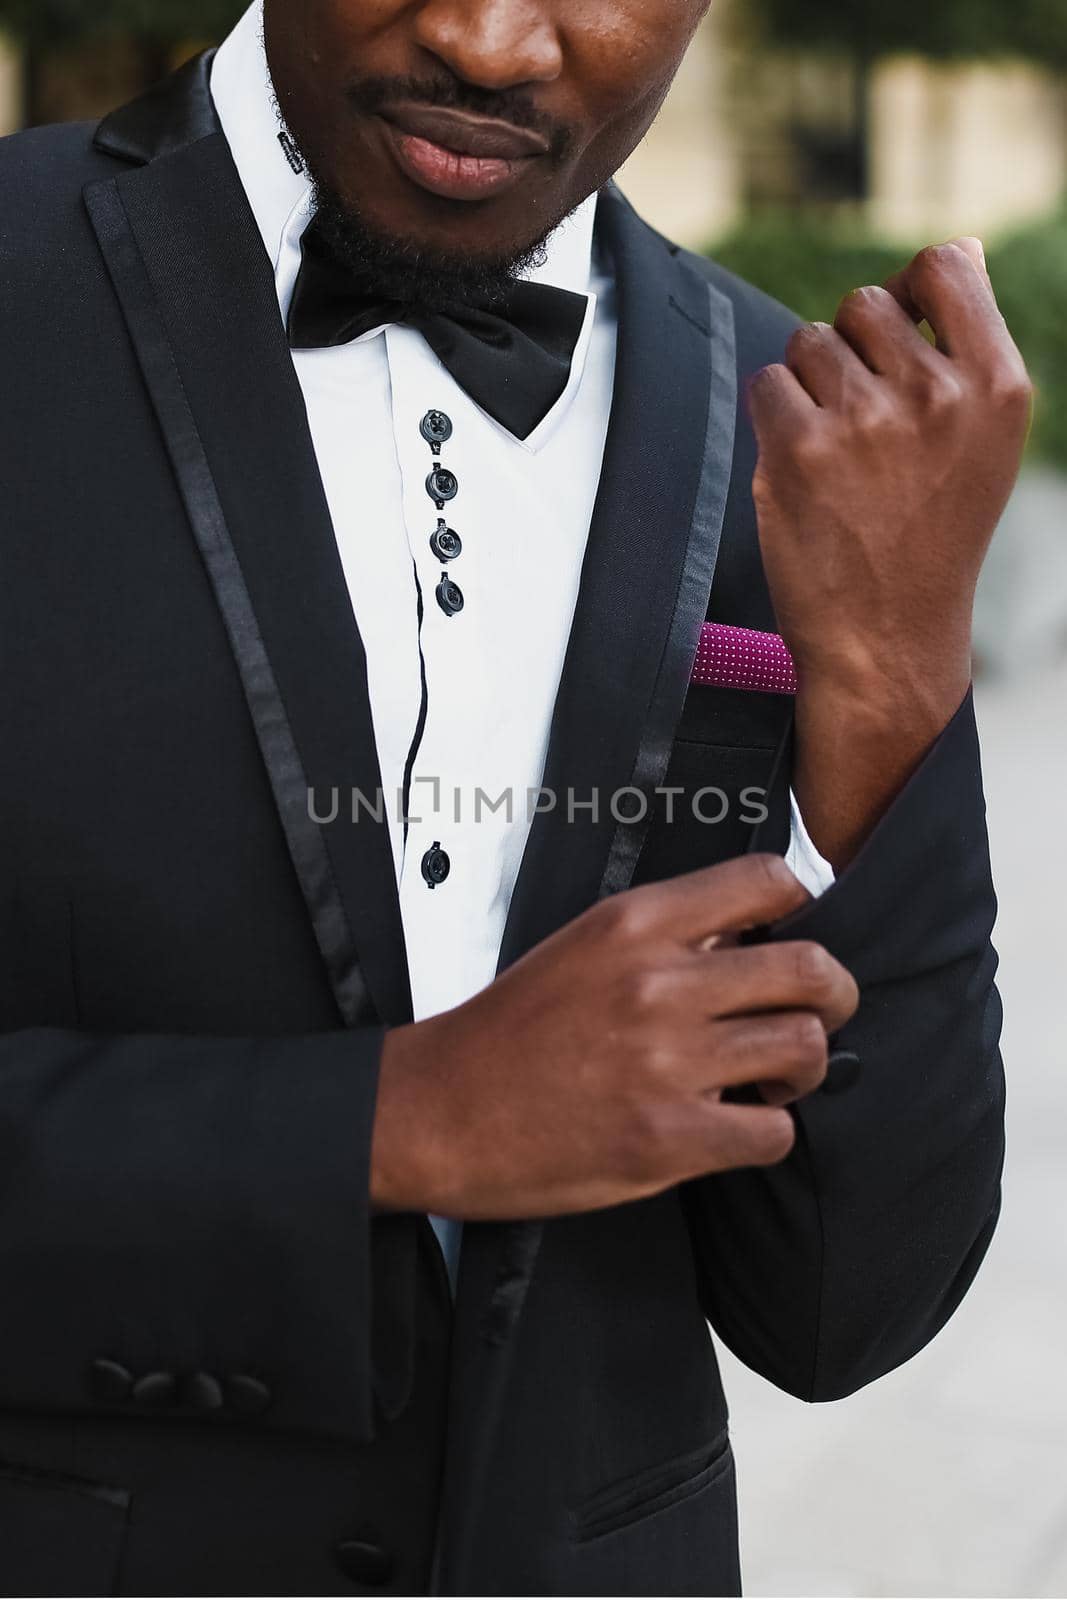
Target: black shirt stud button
203, 1392
842, 1072
442, 485
156, 1390
364, 1561
246, 1395
449, 597
110, 1381
446, 543
436, 427
435, 865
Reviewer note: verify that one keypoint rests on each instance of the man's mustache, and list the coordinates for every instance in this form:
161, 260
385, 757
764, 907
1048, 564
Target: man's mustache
370, 95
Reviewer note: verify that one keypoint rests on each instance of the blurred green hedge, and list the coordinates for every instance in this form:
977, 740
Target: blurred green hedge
811, 263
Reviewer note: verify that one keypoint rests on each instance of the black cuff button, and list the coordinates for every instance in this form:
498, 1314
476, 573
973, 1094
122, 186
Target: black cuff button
156, 1391
364, 1562
110, 1381
246, 1395
203, 1392
843, 1072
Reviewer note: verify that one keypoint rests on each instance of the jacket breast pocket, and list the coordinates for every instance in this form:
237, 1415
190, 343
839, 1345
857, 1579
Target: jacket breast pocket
59, 1535
714, 797
723, 781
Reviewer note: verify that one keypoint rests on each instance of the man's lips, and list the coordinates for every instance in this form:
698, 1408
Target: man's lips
486, 138
457, 155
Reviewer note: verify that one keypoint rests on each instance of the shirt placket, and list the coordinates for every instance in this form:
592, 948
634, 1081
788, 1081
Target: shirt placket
437, 895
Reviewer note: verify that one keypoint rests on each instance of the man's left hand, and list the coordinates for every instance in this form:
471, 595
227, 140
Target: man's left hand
885, 463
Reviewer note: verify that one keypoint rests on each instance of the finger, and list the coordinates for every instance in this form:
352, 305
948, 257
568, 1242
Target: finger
719, 1137
882, 334
896, 286
796, 975
777, 402
730, 898
944, 286
784, 1053
827, 366
972, 246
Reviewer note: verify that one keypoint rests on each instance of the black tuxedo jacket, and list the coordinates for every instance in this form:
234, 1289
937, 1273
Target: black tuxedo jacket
219, 1373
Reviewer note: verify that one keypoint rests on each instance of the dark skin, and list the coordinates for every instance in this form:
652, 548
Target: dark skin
589, 75
598, 1070
885, 464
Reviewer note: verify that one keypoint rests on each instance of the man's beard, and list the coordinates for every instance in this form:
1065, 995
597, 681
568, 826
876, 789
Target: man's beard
404, 272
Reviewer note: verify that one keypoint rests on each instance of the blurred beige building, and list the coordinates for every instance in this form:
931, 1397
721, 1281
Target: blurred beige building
968, 147
963, 148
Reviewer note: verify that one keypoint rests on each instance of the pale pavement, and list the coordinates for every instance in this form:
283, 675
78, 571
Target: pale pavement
949, 1477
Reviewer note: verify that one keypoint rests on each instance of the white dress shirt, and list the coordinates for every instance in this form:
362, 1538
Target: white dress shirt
524, 507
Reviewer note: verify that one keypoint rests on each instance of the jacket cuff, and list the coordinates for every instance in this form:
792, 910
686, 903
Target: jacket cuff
928, 849
188, 1232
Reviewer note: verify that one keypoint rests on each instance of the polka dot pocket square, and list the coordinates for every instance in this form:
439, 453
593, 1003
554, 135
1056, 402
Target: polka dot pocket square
741, 658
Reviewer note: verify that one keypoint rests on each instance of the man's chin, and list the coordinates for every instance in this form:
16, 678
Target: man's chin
421, 262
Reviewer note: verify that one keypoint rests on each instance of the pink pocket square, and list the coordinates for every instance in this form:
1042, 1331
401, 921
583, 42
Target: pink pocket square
741, 658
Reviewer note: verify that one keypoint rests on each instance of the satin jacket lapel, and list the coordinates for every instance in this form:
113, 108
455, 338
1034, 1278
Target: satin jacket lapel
197, 289
653, 546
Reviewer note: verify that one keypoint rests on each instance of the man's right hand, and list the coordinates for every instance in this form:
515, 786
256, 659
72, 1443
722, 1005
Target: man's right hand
593, 1071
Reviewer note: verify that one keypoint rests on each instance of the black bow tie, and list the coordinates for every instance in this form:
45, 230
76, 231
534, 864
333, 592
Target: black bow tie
513, 358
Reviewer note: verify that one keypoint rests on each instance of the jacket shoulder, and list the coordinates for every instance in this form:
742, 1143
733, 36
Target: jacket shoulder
52, 160
762, 324
44, 226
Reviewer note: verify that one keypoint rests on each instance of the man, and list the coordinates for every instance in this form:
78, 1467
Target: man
359, 437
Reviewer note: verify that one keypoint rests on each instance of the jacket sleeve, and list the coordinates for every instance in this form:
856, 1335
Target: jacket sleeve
831, 1269
178, 1206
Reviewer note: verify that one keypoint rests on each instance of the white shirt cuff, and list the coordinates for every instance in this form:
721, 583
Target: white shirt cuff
802, 858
